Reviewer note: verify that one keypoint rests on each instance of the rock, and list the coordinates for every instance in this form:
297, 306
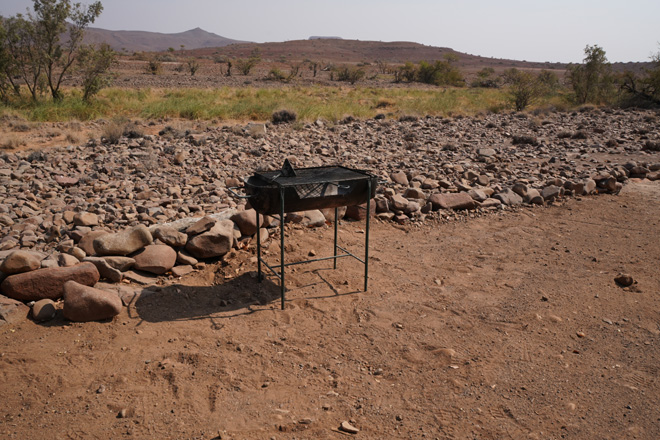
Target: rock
12, 311
184, 258
83, 303
86, 219
106, 271
400, 178
48, 283
256, 130
550, 193
66, 260
347, 427
65, 181
398, 202
170, 236
521, 189
247, 221
202, 225
329, 213
156, 259
589, 186
43, 310
180, 271
533, 197
359, 212
624, 280
414, 193
508, 197
215, 242
460, 200
486, 152
19, 262
123, 243
86, 243
314, 219
478, 195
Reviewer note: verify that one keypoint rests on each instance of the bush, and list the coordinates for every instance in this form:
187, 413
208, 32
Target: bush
284, 117
348, 74
524, 88
94, 67
154, 67
112, 132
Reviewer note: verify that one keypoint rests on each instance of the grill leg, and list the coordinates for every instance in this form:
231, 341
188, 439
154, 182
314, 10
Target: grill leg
334, 262
258, 249
282, 246
366, 242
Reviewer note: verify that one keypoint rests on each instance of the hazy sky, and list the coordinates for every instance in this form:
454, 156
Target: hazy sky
553, 30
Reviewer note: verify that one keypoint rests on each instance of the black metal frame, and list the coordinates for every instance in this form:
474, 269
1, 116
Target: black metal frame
346, 253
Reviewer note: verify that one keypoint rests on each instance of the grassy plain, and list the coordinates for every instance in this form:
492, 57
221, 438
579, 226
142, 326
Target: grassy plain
258, 104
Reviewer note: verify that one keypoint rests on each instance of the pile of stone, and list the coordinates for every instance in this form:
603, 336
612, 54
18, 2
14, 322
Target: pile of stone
159, 204
79, 263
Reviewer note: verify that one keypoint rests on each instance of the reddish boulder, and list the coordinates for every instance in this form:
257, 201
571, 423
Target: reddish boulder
83, 303
47, 283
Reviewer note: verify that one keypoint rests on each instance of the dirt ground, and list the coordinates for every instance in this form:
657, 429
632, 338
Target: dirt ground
506, 326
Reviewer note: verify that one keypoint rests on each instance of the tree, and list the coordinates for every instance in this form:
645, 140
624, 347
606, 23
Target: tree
524, 87
24, 60
44, 44
592, 81
647, 87
94, 67
8, 69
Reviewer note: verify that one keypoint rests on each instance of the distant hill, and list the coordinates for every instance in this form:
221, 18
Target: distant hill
140, 41
330, 50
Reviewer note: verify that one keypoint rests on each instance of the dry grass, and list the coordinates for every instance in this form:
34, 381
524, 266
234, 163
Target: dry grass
11, 142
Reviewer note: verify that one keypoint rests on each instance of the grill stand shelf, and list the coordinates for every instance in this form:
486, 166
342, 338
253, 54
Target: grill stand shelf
345, 253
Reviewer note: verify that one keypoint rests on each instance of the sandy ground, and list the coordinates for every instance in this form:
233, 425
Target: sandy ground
506, 326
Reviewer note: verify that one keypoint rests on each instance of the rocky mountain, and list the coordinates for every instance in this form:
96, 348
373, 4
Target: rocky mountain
138, 41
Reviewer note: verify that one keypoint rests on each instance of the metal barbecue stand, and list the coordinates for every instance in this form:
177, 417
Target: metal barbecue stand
304, 189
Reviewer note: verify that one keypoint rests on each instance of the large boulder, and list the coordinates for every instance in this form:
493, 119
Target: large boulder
86, 243
47, 283
123, 243
215, 242
156, 259
460, 200
247, 221
170, 236
508, 197
20, 261
83, 303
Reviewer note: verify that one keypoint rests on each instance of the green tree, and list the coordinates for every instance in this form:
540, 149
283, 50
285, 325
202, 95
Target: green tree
23, 58
43, 45
94, 67
523, 87
592, 81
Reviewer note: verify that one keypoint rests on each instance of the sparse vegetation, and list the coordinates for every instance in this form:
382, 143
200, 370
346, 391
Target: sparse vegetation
284, 117
523, 88
154, 67
94, 68
348, 74
439, 73
245, 65
193, 66
592, 81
